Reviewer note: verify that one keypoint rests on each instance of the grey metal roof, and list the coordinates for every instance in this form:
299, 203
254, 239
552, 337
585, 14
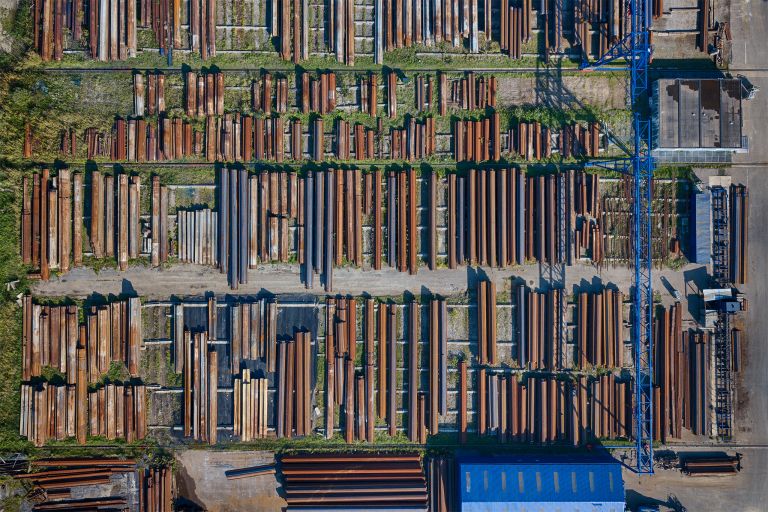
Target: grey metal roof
698, 114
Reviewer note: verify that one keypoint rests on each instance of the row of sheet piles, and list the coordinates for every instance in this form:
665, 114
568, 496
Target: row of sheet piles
547, 409
149, 94
318, 94
537, 328
289, 24
441, 483
295, 389
599, 24
253, 333
203, 93
478, 140
156, 489
52, 336
340, 30
470, 92
61, 411
739, 215
196, 236
486, 323
159, 227
600, 329
52, 219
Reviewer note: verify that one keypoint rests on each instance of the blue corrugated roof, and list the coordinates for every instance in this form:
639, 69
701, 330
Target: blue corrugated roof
700, 228
529, 480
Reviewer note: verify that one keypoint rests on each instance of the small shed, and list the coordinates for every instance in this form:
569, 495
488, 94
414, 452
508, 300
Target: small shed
540, 484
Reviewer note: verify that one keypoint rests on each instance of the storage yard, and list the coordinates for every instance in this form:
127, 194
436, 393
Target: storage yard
382, 254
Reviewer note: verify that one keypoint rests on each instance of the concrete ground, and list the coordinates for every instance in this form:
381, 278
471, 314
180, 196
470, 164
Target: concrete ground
201, 481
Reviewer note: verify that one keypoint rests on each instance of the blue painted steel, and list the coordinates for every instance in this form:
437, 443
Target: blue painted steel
544, 483
635, 49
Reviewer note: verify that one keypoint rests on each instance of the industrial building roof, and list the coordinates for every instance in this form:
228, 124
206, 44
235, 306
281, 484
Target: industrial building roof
540, 484
698, 114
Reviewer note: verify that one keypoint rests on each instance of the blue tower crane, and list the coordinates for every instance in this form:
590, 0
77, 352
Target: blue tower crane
635, 50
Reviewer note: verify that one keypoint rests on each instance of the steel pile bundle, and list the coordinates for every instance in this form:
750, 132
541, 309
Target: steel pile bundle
438, 363
51, 221
579, 141
441, 483
608, 19
52, 336
159, 223
292, 35
415, 141
59, 484
485, 218
351, 391
486, 322
423, 22
295, 395
118, 412
318, 94
538, 329
253, 331
586, 215
348, 480
340, 30
149, 100
402, 232
738, 236
368, 93
365, 147
111, 28
600, 329
425, 93
478, 140
204, 93
545, 409
58, 412
717, 465
531, 140
671, 367
202, 25
196, 236
251, 403
469, 92
516, 27
696, 381
156, 489
201, 386
543, 228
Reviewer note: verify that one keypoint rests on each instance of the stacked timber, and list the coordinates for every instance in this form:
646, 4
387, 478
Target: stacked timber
58, 412
52, 337
253, 331
200, 372
251, 405
202, 25
148, 99
115, 221
341, 29
545, 409
486, 322
402, 221
290, 25
159, 223
486, 218
196, 236
350, 480
293, 416
156, 489
600, 329
63, 484
352, 391
477, 140
415, 141
538, 330
368, 92
204, 93
318, 93
738, 217
51, 221
670, 365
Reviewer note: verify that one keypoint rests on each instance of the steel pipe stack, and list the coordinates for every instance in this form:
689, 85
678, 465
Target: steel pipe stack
350, 480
